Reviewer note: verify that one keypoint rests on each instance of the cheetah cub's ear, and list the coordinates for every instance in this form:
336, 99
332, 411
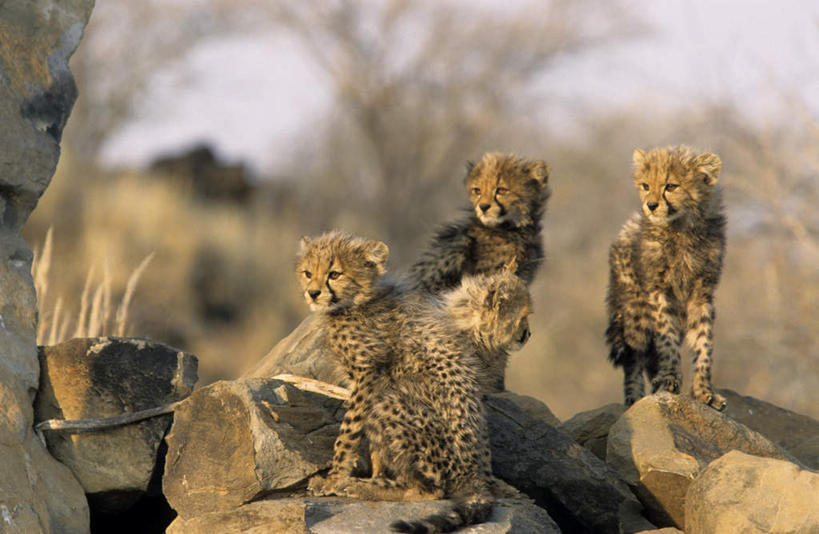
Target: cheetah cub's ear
639, 158
304, 242
377, 253
707, 168
539, 170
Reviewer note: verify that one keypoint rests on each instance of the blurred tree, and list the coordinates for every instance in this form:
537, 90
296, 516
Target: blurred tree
421, 87
125, 45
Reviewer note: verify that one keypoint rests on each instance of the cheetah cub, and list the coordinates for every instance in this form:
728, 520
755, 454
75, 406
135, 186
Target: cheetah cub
664, 269
508, 196
415, 367
341, 277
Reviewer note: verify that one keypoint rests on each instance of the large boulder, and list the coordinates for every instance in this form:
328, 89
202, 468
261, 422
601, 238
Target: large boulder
302, 353
580, 492
104, 377
591, 428
796, 433
344, 516
37, 91
663, 441
749, 494
234, 442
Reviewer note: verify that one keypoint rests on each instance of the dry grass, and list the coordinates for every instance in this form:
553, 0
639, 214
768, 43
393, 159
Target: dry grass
94, 315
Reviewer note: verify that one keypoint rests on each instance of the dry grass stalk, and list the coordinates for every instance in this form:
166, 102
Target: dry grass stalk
130, 287
94, 317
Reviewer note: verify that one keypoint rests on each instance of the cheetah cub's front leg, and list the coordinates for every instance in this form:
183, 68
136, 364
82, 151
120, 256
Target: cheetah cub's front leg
669, 369
701, 340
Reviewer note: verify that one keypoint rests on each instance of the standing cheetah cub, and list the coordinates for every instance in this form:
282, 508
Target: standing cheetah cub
508, 196
416, 393
664, 269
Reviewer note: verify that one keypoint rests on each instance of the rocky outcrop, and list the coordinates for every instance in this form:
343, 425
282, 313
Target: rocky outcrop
752, 495
105, 377
796, 433
37, 91
345, 516
660, 445
591, 428
580, 492
235, 442
302, 353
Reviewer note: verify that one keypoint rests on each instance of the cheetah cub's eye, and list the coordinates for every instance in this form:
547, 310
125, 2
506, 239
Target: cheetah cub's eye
671, 187
307, 274
476, 191
501, 190
334, 275
644, 186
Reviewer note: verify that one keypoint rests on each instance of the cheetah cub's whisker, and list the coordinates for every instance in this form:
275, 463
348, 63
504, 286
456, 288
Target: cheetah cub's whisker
664, 268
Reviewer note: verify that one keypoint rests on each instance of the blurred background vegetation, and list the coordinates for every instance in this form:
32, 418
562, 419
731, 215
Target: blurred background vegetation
414, 90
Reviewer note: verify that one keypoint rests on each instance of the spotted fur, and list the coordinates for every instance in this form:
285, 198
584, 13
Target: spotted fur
416, 365
664, 268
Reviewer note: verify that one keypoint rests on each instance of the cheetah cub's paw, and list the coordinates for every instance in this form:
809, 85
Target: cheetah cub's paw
712, 399
503, 490
670, 383
320, 486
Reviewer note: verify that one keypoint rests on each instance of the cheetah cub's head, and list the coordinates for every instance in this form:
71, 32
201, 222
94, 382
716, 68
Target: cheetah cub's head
494, 309
675, 182
337, 270
505, 189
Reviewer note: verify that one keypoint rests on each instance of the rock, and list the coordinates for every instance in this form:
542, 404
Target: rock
663, 441
37, 91
796, 433
536, 409
666, 530
234, 442
743, 493
580, 492
302, 353
343, 516
105, 377
591, 428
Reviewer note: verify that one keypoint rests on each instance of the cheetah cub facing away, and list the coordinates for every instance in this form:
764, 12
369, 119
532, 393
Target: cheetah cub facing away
416, 394
508, 196
664, 269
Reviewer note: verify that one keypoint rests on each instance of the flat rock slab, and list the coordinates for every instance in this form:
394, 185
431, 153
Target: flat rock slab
660, 445
233, 442
345, 516
104, 377
743, 493
796, 433
591, 428
580, 492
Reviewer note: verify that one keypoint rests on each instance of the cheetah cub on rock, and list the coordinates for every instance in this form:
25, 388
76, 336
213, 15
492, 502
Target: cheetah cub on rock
415, 367
664, 269
508, 196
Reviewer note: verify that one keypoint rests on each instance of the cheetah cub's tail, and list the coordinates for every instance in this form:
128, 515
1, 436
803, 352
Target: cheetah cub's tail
466, 510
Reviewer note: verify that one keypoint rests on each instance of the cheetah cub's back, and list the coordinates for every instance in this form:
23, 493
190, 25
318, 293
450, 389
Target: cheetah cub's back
664, 268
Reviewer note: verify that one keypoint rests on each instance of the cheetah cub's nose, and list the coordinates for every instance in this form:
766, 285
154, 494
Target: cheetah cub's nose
314, 293
484, 207
653, 205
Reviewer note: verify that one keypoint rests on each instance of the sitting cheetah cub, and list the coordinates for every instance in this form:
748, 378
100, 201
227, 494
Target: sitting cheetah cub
508, 196
664, 269
416, 393
341, 276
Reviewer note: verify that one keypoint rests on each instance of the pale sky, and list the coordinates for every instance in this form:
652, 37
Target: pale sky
253, 97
